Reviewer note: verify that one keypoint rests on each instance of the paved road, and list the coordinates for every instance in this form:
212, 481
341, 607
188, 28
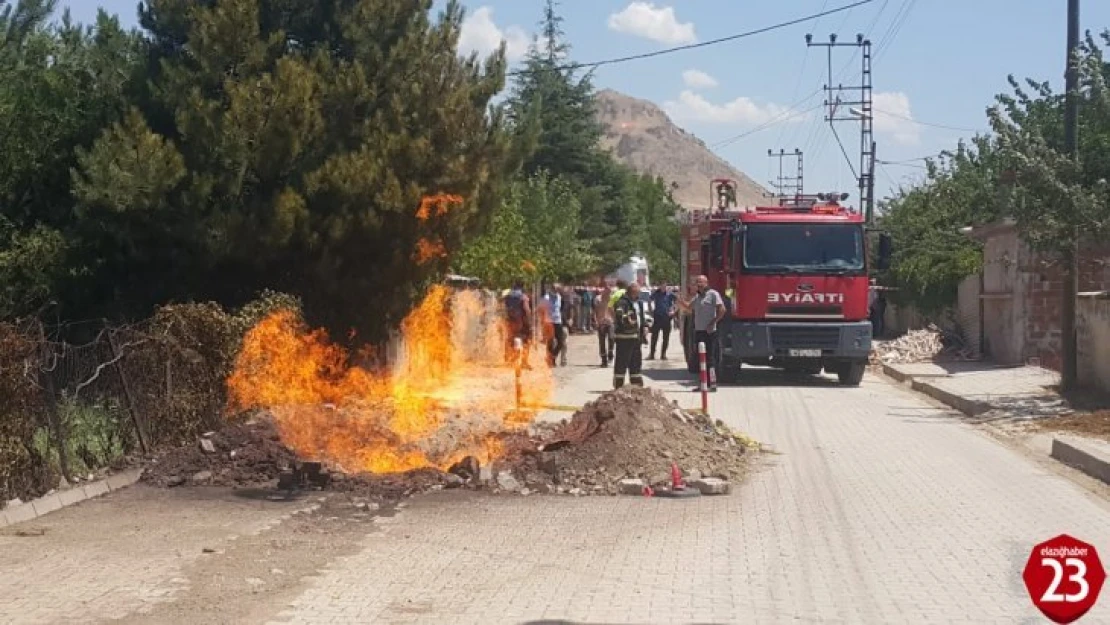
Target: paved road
878, 508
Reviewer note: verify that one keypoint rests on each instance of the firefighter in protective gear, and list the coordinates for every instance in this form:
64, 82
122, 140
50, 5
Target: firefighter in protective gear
630, 326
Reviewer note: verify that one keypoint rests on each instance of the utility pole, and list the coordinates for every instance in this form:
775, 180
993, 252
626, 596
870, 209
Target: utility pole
783, 182
1069, 368
861, 97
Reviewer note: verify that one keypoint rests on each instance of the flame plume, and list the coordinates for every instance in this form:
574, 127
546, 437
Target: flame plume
446, 395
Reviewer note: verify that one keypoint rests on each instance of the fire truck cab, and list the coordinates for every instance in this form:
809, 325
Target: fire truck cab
794, 277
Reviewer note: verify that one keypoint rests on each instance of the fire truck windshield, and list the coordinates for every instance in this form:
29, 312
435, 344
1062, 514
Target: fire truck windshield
821, 248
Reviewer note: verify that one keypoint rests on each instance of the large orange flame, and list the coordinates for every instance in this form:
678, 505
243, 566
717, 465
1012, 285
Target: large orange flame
446, 395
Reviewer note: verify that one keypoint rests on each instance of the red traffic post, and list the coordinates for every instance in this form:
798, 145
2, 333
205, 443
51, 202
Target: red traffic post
1064, 577
519, 346
704, 377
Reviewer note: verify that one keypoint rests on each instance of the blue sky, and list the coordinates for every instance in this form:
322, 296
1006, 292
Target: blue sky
938, 63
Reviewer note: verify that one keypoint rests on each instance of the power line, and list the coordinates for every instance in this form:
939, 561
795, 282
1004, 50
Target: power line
907, 160
782, 117
711, 42
902, 164
802, 71
896, 27
843, 151
916, 121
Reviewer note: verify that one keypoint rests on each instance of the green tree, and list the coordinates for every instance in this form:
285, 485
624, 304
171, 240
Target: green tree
1054, 195
552, 108
60, 85
534, 234
932, 256
287, 144
662, 238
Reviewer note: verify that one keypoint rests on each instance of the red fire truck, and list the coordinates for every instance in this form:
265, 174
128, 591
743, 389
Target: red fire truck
794, 277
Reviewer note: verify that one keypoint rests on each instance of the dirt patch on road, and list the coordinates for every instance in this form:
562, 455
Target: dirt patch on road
252, 579
1093, 424
628, 433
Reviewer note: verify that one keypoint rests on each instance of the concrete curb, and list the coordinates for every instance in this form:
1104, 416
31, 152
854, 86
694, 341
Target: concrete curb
898, 374
894, 374
969, 407
56, 501
1085, 456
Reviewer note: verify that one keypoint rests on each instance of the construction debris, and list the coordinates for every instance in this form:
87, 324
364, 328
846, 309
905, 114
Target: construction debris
251, 454
629, 440
927, 345
243, 454
711, 486
626, 439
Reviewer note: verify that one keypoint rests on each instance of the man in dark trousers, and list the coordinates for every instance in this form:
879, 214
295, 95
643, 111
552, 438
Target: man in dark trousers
662, 312
630, 325
708, 308
518, 319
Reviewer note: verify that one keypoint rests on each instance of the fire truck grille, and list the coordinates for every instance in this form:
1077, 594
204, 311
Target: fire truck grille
802, 311
788, 337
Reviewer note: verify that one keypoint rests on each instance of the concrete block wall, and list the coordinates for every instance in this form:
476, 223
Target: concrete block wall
1093, 327
1042, 302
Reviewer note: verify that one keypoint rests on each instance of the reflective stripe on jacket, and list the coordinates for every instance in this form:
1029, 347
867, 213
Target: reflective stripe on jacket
628, 319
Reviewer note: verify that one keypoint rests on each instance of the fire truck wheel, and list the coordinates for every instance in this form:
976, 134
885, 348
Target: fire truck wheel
851, 374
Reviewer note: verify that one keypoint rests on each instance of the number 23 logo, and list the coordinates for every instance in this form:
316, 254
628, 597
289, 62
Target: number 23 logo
1052, 594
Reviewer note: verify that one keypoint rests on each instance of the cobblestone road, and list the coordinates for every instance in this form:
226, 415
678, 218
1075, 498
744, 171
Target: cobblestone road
877, 508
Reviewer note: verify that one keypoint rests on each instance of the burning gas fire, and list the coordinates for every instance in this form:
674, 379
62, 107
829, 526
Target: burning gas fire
447, 394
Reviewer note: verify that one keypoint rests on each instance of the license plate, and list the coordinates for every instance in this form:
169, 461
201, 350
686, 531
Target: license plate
804, 353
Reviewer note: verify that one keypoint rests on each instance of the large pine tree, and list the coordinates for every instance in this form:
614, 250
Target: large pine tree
287, 144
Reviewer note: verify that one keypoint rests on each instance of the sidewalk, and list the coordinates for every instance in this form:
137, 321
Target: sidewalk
976, 388
1010, 399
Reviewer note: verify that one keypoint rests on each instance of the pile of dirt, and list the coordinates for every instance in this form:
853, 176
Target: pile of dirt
628, 433
1094, 424
241, 454
251, 454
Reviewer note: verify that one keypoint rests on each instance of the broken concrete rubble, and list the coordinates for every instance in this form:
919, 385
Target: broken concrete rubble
627, 439
923, 345
621, 442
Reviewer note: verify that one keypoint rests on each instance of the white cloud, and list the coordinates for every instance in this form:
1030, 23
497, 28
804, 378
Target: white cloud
660, 24
742, 110
697, 79
480, 34
893, 117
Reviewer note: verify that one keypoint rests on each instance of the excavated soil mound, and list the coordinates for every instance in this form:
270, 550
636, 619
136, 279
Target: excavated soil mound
241, 454
627, 433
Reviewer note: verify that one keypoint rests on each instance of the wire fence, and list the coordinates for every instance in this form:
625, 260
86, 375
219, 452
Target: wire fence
69, 410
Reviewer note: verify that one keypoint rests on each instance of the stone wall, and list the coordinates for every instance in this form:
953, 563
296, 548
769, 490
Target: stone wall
1093, 326
1043, 301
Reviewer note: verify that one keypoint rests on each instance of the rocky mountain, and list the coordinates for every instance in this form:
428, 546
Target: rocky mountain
641, 136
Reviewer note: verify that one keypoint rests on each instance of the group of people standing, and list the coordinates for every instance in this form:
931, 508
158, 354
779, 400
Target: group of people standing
622, 317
